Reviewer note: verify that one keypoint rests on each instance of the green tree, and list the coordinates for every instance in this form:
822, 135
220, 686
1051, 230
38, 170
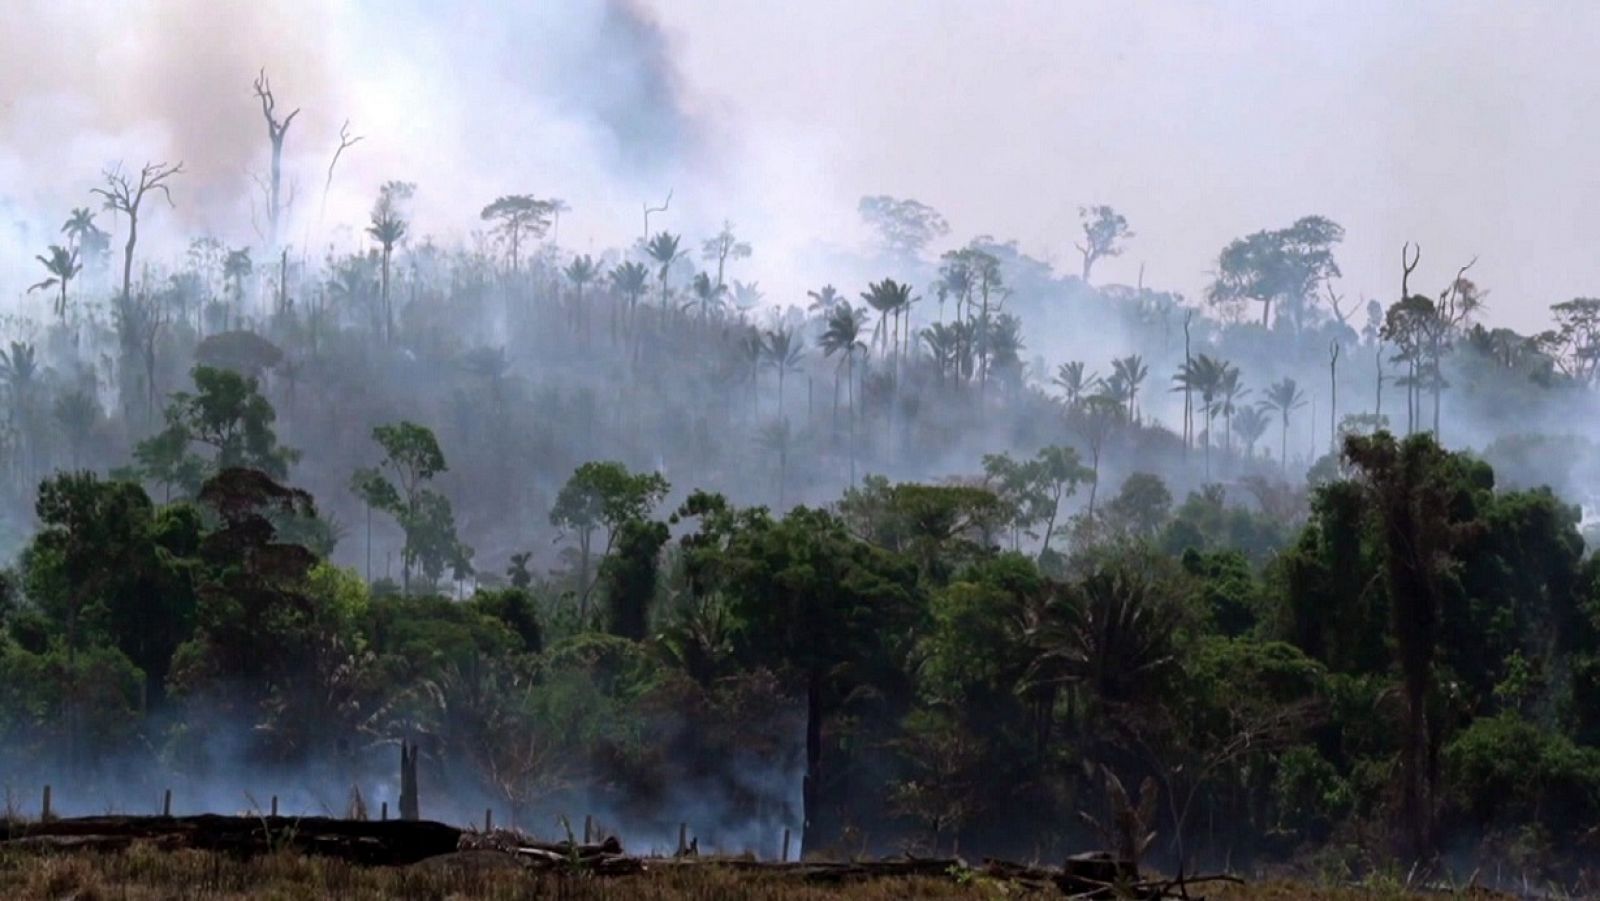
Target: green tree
628, 576
227, 414
401, 486
723, 247
905, 226
1283, 265
1411, 489
809, 598
1104, 230
602, 496
517, 216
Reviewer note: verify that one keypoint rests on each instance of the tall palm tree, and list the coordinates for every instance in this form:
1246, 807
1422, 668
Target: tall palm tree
746, 295
824, 299
1250, 423
388, 229
78, 226
1232, 392
752, 350
664, 250
1006, 345
1204, 375
944, 344
707, 294
1075, 382
629, 280
581, 271
19, 372
63, 265
784, 351
843, 335
1131, 370
1283, 397
887, 297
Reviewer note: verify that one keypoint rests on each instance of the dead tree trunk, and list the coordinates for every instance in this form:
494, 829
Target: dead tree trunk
276, 130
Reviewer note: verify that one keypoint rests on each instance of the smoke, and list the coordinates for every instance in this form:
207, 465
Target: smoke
578, 101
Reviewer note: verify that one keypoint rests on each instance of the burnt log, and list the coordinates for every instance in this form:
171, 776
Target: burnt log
381, 843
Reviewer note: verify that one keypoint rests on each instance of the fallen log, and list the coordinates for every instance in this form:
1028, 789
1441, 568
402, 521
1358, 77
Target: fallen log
380, 843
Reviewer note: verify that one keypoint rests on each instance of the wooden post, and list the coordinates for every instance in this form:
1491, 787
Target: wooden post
683, 837
588, 828
488, 819
384, 812
166, 803
44, 808
785, 857
274, 805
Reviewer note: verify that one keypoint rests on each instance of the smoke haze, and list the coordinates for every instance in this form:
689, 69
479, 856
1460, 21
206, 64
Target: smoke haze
1459, 126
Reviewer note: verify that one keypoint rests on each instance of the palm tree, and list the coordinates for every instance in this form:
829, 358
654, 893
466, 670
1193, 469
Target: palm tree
78, 226
1131, 370
1204, 375
1075, 382
629, 280
823, 300
663, 249
784, 350
944, 343
19, 371
1250, 423
62, 264
752, 352
581, 271
707, 293
887, 297
1231, 392
1284, 397
746, 295
1006, 345
843, 335
388, 229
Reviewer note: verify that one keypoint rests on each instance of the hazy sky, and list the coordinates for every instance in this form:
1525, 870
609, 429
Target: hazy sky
1468, 127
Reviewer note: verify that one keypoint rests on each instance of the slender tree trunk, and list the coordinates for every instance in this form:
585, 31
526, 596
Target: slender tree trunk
1283, 445
851, 379
1377, 406
127, 256
388, 310
812, 787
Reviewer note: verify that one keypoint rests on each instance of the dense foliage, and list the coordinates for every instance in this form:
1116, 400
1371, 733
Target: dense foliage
606, 534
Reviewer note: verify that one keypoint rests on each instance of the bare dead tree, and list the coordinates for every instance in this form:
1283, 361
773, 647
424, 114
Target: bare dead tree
1408, 267
276, 130
1333, 396
648, 209
346, 141
123, 195
1333, 303
1457, 303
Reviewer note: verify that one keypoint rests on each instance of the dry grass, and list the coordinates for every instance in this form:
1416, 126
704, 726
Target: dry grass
144, 874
